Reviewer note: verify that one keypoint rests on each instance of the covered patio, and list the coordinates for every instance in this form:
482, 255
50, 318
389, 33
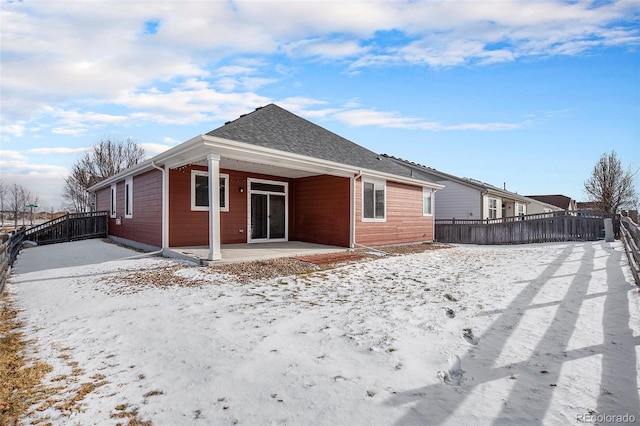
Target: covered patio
233, 253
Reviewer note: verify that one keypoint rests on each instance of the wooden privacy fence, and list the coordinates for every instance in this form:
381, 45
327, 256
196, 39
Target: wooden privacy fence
537, 228
70, 227
631, 237
11, 245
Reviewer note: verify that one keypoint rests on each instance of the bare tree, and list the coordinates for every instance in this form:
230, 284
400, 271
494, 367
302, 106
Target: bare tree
105, 159
17, 198
610, 186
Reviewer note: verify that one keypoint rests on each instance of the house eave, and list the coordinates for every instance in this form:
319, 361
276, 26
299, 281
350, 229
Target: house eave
198, 147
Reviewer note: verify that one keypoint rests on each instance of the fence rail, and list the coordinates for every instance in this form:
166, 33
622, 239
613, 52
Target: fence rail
70, 227
538, 228
631, 236
9, 250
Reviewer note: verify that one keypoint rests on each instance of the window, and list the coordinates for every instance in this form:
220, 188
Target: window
493, 208
128, 198
373, 200
112, 209
200, 191
427, 196
520, 209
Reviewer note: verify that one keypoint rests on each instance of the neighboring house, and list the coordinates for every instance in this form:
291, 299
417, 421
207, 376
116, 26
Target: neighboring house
561, 201
539, 207
271, 176
589, 205
469, 199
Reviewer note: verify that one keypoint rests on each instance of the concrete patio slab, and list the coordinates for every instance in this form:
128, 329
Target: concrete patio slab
232, 253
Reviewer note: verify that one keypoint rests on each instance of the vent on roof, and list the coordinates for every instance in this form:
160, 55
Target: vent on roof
227, 122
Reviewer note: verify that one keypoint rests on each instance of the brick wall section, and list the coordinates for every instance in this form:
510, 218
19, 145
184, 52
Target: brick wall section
404, 223
322, 210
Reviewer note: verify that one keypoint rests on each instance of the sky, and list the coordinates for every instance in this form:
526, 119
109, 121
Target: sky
525, 95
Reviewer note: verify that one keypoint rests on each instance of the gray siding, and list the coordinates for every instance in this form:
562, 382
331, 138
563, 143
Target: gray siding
457, 201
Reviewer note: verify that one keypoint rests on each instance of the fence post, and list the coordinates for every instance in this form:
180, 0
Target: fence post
67, 228
608, 230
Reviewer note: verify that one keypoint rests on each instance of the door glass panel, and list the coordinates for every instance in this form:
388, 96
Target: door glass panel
276, 216
259, 216
267, 187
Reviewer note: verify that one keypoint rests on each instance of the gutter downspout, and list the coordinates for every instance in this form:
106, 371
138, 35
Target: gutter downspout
352, 206
433, 214
353, 219
165, 207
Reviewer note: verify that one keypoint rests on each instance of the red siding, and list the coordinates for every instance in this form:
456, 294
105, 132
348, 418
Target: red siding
146, 224
404, 223
318, 211
191, 228
322, 210
102, 200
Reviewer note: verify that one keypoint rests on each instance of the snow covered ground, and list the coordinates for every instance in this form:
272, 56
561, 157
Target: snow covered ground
532, 334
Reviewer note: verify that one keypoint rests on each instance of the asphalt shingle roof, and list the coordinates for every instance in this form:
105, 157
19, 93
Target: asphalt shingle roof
274, 127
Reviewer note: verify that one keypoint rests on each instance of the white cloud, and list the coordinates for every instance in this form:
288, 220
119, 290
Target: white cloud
11, 155
153, 149
16, 129
18, 167
386, 119
99, 54
326, 49
56, 151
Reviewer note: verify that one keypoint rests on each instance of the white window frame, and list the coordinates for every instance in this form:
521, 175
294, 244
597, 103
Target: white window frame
224, 176
113, 201
427, 193
286, 208
128, 198
492, 209
377, 186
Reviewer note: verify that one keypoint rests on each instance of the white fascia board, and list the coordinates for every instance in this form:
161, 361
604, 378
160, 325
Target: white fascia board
509, 196
253, 153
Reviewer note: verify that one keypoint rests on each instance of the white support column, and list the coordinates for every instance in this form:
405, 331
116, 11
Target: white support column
213, 162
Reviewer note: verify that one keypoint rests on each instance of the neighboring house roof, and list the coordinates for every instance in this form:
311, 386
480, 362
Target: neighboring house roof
438, 175
588, 205
545, 205
561, 201
272, 135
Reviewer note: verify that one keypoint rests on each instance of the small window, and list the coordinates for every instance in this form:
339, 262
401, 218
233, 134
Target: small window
520, 209
112, 203
128, 198
493, 208
427, 196
200, 191
373, 200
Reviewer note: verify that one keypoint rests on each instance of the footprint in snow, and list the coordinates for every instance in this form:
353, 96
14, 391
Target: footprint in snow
467, 334
455, 374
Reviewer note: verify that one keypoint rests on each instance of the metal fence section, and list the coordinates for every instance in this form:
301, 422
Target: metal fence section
70, 227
